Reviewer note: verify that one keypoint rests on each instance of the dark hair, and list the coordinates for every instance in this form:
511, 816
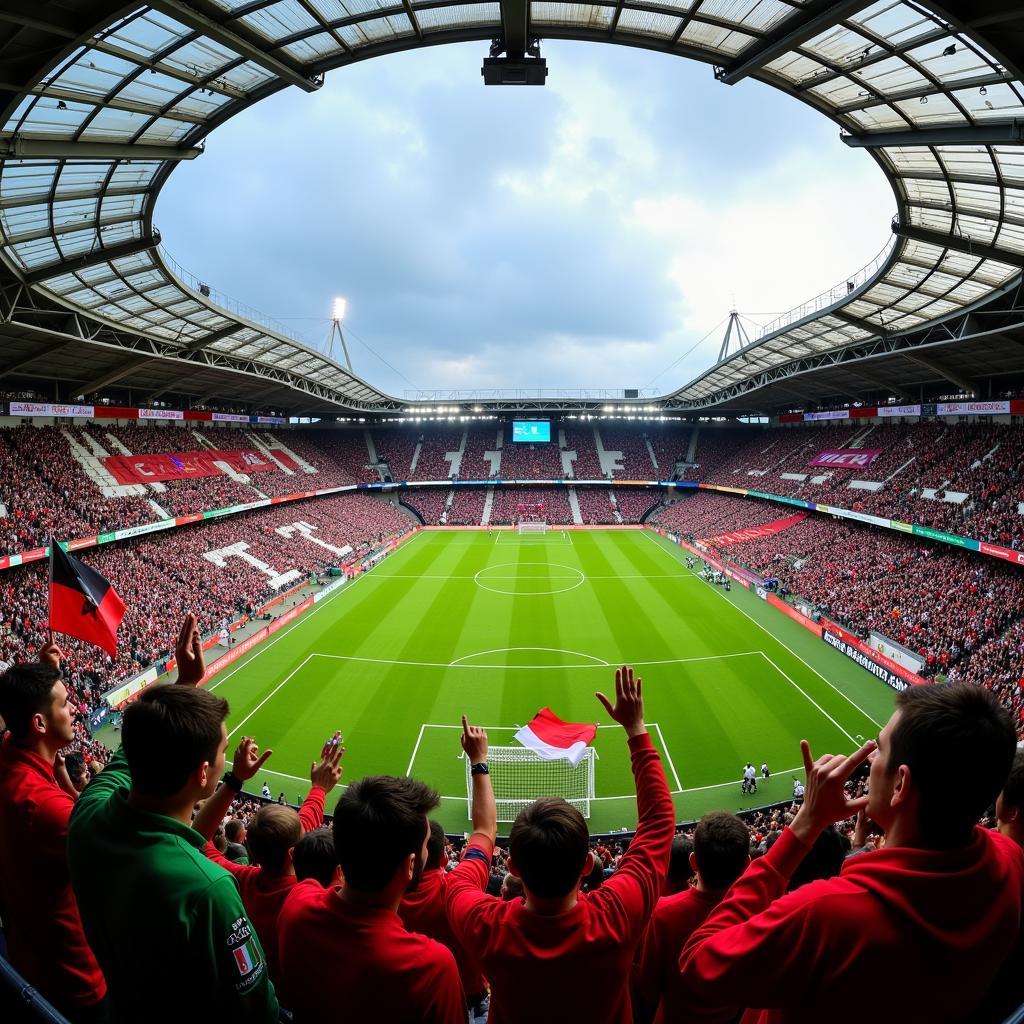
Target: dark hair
1013, 788
378, 822
936, 723
435, 846
26, 690
721, 843
168, 733
75, 765
548, 844
272, 833
314, 856
823, 860
233, 830
679, 870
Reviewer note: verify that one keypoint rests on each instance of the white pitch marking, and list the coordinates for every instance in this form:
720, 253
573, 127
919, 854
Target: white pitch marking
552, 650
765, 629
533, 668
810, 698
408, 771
668, 756
269, 695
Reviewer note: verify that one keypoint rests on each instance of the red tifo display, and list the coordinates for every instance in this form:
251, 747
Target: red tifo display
144, 469
846, 458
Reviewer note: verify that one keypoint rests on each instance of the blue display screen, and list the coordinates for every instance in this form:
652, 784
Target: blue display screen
531, 430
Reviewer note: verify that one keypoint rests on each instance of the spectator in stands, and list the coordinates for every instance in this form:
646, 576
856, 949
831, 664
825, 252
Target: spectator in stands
170, 907
234, 832
273, 834
378, 970
424, 910
314, 857
569, 952
45, 939
78, 771
680, 866
721, 853
941, 900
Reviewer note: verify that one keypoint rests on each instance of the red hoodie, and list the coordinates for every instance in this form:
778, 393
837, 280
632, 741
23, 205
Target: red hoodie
900, 934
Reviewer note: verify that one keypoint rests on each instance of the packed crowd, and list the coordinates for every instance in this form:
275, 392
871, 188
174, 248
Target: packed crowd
596, 508
159, 573
885, 873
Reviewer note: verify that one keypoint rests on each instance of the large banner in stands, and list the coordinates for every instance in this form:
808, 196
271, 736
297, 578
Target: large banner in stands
143, 469
50, 409
946, 538
756, 532
891, 649
846, 458
832, 414
890, 672
161, 414
972, 408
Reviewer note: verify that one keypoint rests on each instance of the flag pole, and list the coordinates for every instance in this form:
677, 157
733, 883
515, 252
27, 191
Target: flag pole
49, 595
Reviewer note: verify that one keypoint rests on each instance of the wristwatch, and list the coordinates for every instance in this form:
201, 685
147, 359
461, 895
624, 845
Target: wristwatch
480, 769
232, 781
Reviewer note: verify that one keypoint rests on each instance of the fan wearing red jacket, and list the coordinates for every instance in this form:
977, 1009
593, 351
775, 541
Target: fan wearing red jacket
558, 955
272, 836
424, 910
44, 931
343, 950
920, 927
721, 853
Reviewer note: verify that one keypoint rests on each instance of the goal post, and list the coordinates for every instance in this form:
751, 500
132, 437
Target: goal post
519, 777
531, 526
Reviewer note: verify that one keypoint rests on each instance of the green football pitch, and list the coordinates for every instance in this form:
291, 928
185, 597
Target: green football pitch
498, 626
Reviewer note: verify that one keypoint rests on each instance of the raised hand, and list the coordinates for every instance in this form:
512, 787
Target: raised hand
326, 773
248, 759
629, 704
188, 653
474, 742
825, 798
50, 653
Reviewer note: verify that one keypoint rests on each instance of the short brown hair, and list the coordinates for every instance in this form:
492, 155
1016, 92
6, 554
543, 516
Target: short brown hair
435, 846
721, 844
548, 844
938, 724
168, 733
26, 690
273, 832
378, 822
314, 856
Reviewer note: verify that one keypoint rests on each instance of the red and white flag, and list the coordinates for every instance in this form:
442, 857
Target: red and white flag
550, 738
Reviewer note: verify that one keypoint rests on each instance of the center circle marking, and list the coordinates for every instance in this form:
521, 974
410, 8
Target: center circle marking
572, 579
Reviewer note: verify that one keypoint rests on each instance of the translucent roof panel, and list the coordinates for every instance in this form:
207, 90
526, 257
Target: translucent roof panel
86, 148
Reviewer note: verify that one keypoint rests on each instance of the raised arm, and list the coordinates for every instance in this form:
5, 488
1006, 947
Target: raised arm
636, 883
323, 776
484, 810
247, 762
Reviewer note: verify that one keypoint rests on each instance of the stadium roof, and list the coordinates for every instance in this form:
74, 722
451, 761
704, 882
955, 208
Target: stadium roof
102, 100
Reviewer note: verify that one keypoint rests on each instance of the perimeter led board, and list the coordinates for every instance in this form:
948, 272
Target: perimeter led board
531, 430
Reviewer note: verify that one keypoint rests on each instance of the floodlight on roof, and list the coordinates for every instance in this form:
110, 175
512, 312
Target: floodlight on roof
338, 309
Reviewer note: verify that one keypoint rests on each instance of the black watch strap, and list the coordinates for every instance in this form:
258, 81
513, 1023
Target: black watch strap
232, 781
480, 769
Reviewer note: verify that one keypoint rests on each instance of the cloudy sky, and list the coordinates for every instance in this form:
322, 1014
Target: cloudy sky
582, 235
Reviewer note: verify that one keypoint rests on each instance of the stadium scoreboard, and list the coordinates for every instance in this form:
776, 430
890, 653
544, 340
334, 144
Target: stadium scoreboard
534, 431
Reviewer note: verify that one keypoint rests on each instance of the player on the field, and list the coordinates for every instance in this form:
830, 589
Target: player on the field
765, 773
750, 775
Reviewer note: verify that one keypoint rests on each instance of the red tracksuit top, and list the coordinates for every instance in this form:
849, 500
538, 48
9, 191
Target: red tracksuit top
349, 963
901, 934
574, 966
45, 939
424, 910
263, 894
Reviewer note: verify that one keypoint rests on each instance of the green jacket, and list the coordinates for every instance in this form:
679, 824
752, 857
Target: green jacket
166, 924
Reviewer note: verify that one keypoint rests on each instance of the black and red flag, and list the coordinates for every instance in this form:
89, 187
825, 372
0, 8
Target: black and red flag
82, 603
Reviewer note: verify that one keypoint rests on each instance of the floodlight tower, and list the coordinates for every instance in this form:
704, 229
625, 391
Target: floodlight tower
337, 315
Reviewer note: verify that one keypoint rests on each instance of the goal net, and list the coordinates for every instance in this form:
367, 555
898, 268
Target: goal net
532, 526
519, 777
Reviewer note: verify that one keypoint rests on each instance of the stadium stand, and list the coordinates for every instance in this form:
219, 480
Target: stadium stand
467, 507
429, 502
634, 459
596, 506
431, 463
580, 439
480, 440
521, 461
396, 448
505, 509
